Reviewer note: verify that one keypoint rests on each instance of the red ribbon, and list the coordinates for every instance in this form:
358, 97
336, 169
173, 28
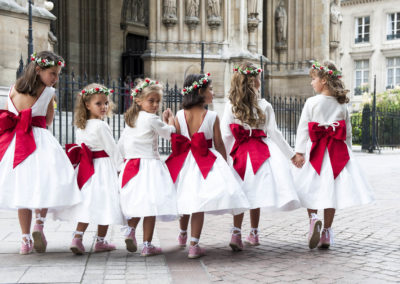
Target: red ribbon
83, 156
21, 126
130, 171
246, 142
180, 148
332, 138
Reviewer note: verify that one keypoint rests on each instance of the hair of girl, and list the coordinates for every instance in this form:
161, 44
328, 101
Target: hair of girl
195, 97
133, 111
333, 83
243, 97
82, 114
30, 83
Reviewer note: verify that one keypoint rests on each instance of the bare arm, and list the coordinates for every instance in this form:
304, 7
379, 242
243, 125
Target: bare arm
50, 112
218, 142
177, 126
6, 106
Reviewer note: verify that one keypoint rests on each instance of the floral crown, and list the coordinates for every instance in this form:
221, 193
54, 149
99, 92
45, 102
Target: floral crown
43, 62
247, 70
97, 90
147, 82
196, 85
317, 66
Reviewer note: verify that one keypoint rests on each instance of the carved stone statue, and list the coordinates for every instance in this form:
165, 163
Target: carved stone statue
169, 14
281, 25
334, 27
252, 9
192, 8
213, 9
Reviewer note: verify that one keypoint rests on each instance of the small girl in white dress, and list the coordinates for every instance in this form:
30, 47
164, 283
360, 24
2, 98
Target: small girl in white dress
331, 177
146, 188
259, 154
97, 160
203, 179
34, 171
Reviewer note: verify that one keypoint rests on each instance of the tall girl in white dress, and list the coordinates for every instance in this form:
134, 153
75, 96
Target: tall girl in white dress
331, 177
97, 160
259, 154
34, 171
203, 179
146, 188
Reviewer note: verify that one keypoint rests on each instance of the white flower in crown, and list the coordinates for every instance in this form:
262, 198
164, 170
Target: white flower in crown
43, 62
97, 90
196, 85
147, 82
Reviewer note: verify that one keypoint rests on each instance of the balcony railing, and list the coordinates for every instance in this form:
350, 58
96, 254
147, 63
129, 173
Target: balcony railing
393, 36
362, 39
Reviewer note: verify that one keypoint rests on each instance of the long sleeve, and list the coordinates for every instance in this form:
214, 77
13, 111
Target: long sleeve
226, 132
275, 134
302, 130
163, 129
348, 129
110, 146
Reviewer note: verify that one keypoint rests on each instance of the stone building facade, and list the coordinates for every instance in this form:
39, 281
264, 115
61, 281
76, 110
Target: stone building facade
370, 46
14, 35
162, 39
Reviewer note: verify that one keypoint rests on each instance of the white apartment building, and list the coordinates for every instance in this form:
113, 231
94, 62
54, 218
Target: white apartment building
370, 45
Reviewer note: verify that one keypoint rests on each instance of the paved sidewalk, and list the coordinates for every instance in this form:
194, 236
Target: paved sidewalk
367, 247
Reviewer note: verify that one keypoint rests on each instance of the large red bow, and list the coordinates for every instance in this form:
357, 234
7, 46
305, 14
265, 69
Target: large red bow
331, 137
83, 156
130, 171
21, 126
180, 148
248, 142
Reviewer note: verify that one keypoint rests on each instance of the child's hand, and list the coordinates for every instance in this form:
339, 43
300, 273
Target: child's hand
166, 114
298, 160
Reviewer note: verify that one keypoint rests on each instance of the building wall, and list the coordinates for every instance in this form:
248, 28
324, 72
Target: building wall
14, 38
377, 50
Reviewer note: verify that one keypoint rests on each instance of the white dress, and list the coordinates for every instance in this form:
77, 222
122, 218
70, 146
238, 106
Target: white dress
100, 193
219, 192
315, 191
151, 191
272, 186
45, 179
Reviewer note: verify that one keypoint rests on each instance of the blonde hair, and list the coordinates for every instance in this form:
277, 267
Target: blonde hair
133, 111
333, 83
82, 114
243, 97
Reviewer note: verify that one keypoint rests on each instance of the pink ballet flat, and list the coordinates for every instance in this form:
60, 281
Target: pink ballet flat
196, 251
236, 240
39, 240
130, 239
26, 246
252, 238
77, 246
326, 239
314, 233
150, 250
182, 239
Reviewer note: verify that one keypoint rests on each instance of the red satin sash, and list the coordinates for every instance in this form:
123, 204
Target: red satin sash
180, 148
130, 171
21, 126
333, 138
248, 143
83, 156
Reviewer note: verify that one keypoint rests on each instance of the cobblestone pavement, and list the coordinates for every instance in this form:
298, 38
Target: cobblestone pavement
366, 250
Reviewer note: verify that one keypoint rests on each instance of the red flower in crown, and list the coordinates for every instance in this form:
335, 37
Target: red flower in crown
248, 71
32, 58
83, 92
156, 82
259, 70
112, 91
313, 66
147, 80
321, 68
43, 61
97, 89
184, 90
330, 72
208, 74
136, 91
59, 63
204, 81
235, 69
195, 86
